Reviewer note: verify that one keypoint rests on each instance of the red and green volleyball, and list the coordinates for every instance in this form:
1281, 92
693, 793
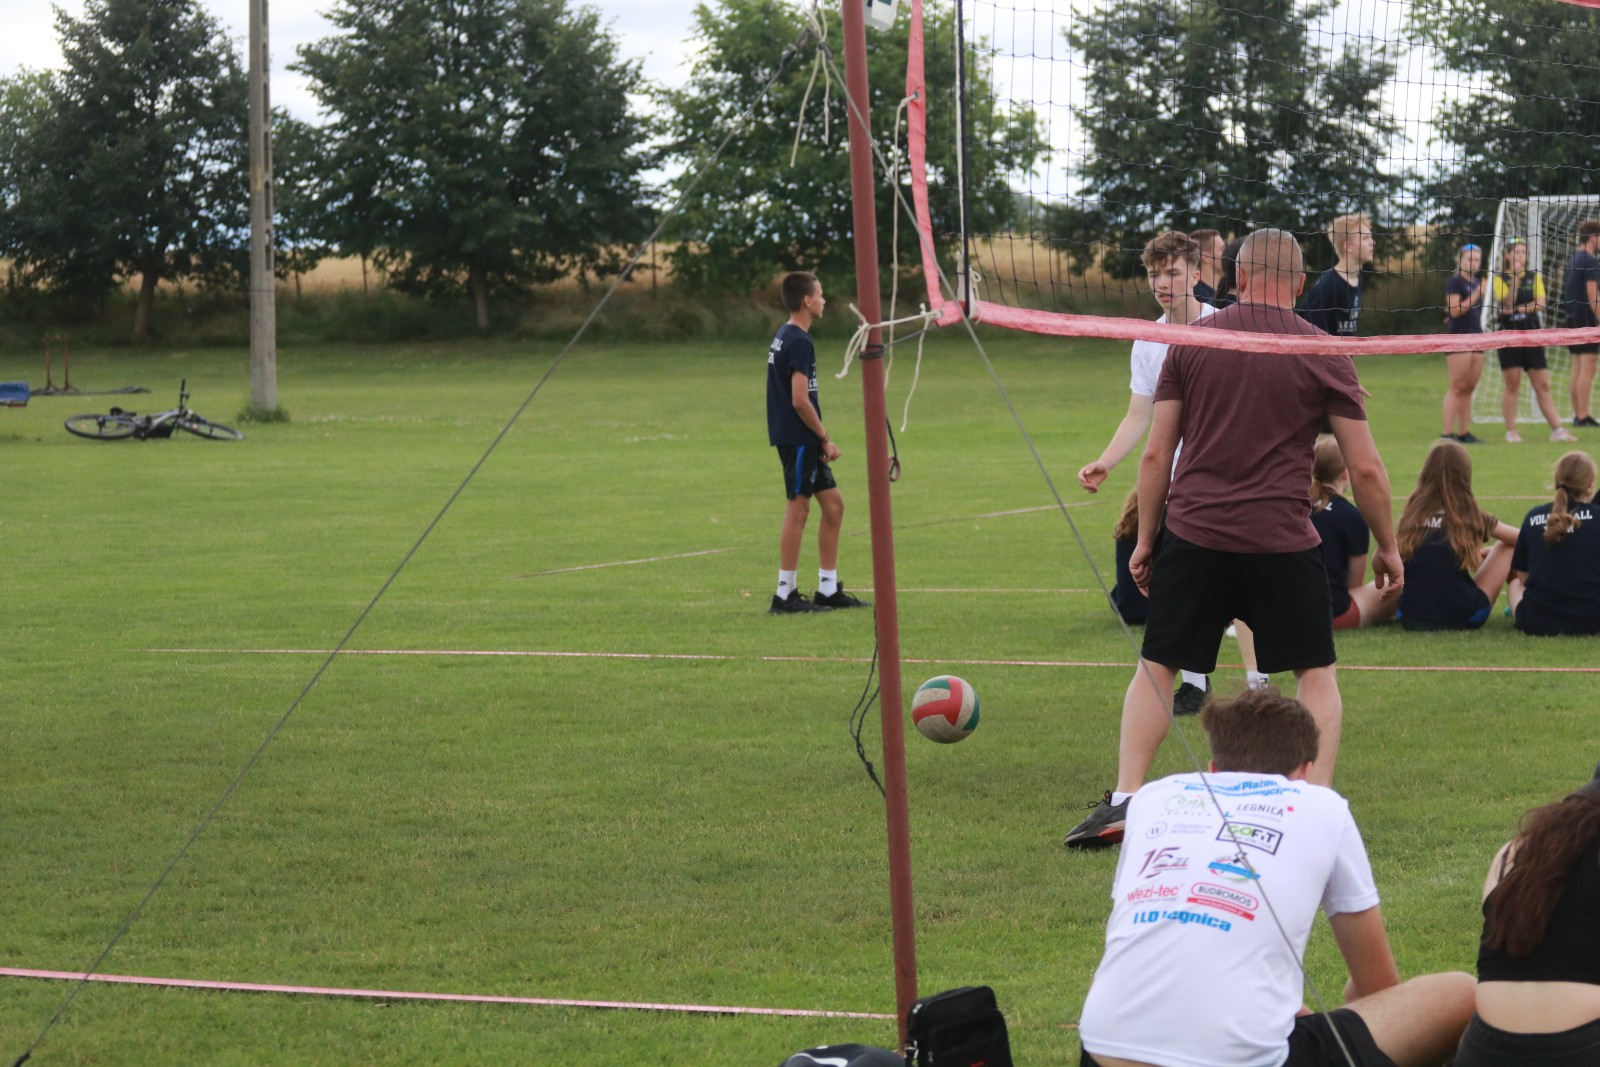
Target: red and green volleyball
945, 709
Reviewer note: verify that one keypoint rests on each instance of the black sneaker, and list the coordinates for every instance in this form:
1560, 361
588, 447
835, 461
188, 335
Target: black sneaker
840, 599
1469, 438
1450, 437
793, 604
1587, 420
1188, 698
1102, 828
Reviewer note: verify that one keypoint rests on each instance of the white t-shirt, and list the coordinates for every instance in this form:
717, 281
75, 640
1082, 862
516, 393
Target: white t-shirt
1196, 972
1148, 356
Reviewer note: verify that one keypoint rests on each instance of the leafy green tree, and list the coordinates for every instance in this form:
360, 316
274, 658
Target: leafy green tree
1225, 116
139, 167
488, 142
754, 215
298, 197
1534, 128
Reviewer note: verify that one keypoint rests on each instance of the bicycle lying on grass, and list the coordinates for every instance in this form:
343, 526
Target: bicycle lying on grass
119, 425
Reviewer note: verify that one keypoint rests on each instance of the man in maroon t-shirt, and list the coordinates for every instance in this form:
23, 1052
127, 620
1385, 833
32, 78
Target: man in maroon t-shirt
1238, 540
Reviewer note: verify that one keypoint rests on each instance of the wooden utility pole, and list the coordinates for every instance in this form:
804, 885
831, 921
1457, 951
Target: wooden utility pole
263, 280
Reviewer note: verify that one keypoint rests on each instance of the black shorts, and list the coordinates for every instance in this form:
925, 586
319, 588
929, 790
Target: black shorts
1484, 1046
1312, 1045
1195, 592
804, 470
1584, 350
1523, 358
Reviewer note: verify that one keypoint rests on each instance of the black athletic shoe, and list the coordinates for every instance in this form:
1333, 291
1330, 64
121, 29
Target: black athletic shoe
793, 604
1102, 828
1188, 698
1469, 438
1450, 436
840, 599
1587, 420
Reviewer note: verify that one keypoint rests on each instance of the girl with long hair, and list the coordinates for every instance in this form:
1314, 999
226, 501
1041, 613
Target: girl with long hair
1346, 542
1555, 571
1451, 582
1520, 297
1538, 997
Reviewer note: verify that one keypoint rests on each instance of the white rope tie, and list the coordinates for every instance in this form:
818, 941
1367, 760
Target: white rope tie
819, 29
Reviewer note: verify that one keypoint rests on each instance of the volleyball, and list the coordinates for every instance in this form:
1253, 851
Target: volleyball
945, 709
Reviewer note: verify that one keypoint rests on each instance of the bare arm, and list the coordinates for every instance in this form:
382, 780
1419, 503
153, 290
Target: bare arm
800, 397
1155, 478
1356, 572
1505, 533
1128, 432
1592, 289
1365, 948
1498, 868
1369, 484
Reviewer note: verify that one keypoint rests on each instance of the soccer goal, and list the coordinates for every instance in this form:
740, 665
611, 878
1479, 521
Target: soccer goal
1049, 140
1549, 225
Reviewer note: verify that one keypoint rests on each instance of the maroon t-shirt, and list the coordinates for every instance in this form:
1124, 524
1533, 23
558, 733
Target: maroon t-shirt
1250, 424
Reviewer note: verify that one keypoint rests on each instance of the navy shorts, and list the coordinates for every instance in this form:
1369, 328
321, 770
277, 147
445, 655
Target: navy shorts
1523, 358
1195, 592
804, 470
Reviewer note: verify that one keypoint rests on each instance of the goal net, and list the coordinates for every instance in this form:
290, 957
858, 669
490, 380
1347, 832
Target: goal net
1074, 131
1548, 225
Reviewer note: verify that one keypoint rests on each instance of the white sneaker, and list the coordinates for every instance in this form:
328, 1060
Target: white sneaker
1561, 433
1513, 437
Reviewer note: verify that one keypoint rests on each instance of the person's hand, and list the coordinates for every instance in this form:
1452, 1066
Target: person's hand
1363, 390
830, 451
1139, 567
1388, 572
1091, 475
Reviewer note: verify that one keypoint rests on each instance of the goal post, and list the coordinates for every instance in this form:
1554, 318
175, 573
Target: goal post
1549, 226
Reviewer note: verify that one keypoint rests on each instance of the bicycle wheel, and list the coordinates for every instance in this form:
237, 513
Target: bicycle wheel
102, 427
203, 427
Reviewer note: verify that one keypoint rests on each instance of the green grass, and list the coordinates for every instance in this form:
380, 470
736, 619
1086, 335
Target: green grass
683, 830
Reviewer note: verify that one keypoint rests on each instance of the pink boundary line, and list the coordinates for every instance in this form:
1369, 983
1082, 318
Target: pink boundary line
390, 994
713, 657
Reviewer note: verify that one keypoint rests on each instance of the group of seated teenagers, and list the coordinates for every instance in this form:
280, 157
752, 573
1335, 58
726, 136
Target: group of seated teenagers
1458, 557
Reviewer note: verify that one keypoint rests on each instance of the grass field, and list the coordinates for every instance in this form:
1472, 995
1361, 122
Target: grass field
686, 830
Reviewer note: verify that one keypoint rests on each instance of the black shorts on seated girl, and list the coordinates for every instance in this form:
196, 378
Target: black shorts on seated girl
1439, 594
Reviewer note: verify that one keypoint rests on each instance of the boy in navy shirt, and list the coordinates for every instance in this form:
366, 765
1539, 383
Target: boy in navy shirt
794, 427
1333, 304
1581, 295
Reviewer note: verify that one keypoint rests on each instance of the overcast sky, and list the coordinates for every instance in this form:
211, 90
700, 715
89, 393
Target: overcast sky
651, 30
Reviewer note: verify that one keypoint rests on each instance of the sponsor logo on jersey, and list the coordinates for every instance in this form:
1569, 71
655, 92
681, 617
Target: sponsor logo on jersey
1161, 860
1186, 918
1185, 805
1253, 788
1231, 869
1153, 892
1222, 898
1258, 809
1156, 829
1251, 835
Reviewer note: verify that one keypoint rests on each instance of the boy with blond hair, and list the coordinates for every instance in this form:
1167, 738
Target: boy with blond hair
1333, 305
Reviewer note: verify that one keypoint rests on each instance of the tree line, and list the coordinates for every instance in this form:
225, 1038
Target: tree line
474, 148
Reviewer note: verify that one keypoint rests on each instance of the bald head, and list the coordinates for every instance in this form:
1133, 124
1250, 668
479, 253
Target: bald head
1271, 268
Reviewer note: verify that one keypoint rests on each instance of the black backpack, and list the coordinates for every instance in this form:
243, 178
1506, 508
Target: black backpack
959, 1028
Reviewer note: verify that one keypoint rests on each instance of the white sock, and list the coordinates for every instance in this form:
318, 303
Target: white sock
1256, 680
1196, 680
788, 582
1119, 798
827, 582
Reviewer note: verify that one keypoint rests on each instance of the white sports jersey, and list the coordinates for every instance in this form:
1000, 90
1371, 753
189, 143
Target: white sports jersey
1147, 359
1196, 972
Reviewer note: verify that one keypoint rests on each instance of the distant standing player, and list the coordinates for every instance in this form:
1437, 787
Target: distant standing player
1333, 304
1211, 248
1463, 304
794, 427
1581, 294
1238, 540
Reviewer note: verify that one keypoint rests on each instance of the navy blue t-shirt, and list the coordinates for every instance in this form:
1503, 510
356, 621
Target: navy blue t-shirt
1333, 305
791, 353
1204, 293
1132, 605
1582, 268
1345, 535
1438, 591
1562, 594
1463, 286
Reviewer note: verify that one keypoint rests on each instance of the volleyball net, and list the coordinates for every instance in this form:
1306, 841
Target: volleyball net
1073, 131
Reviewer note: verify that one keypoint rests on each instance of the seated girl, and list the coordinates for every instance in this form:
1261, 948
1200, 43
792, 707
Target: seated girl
1555, 571
1451, 582
1125, 597
1346, 541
